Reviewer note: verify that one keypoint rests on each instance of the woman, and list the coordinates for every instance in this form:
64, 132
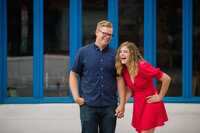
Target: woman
149, 111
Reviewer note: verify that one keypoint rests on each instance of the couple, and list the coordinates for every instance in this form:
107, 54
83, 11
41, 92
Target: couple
102, 71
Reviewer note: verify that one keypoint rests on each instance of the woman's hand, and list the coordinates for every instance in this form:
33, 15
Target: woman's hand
153, 98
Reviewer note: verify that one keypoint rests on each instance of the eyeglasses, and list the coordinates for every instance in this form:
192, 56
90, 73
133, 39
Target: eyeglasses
106, 34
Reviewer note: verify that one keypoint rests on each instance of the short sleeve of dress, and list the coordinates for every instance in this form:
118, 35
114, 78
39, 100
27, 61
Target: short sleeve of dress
148, 71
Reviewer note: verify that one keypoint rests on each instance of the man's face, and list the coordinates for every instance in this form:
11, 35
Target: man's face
104, 35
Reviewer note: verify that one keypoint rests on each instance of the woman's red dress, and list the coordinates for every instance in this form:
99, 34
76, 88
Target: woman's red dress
145, 115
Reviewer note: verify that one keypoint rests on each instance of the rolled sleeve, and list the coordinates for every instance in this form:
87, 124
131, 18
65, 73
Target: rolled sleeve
77, 64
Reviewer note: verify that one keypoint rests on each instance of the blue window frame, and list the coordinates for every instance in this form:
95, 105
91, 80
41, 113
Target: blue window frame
75, 44
150, 47
3, 49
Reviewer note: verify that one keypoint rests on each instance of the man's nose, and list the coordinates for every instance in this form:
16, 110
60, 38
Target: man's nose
107, 36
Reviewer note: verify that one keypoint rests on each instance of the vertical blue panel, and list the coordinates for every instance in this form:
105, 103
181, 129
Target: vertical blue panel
75, 28
113, 18
3, 50
38, 48
187, 48
150, 31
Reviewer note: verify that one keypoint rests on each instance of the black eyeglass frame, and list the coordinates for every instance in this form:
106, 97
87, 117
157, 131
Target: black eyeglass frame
106, 34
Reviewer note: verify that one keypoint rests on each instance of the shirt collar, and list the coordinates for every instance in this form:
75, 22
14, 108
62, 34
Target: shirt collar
97, 47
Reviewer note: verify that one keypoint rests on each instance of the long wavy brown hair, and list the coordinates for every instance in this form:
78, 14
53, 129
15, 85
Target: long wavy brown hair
135, 57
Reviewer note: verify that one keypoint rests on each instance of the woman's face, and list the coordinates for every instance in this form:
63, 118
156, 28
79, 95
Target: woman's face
124, 55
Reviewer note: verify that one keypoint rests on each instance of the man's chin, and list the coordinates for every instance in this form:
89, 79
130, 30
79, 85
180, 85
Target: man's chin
106, 42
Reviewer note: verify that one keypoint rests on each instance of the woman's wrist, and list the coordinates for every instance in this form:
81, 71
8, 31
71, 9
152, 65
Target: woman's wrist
161, 97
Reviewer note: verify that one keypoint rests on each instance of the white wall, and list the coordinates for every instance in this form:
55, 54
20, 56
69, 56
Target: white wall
64, 118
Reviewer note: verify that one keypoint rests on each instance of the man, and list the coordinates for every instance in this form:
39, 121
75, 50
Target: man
95, 65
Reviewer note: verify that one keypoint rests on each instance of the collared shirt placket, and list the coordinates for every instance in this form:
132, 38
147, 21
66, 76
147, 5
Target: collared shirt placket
101, 74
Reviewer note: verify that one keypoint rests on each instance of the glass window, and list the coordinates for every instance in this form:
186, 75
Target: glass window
56, 48
93, 11
20, 48
131, 22
196, 48
169, 43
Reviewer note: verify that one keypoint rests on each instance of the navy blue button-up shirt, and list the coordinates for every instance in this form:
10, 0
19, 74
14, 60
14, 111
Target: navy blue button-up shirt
97, 73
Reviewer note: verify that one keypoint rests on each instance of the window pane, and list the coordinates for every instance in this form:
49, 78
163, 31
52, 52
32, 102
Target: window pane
196, 48
169, 43
20, 48
93, 12
131, 22
56, 48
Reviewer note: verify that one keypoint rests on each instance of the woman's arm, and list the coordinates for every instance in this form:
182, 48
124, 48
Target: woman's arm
165, 84
129, 93
165, 79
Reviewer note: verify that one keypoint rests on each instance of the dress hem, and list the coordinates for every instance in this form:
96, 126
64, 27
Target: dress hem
158, 125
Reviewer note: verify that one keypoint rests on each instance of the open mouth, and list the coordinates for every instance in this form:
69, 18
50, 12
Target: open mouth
123, 59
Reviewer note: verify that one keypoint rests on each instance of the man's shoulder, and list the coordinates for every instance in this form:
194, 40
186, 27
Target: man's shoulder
84, 49
111, 49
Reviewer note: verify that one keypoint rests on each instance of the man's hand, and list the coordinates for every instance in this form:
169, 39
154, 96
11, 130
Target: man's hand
80, 101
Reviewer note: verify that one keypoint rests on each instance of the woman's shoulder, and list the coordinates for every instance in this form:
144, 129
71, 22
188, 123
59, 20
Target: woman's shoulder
125, 71
148, 70
144, 64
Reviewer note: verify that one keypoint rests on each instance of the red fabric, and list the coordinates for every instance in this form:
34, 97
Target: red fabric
145, 115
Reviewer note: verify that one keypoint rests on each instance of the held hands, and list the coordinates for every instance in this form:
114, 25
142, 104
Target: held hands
80, 101
119, 112
153, 98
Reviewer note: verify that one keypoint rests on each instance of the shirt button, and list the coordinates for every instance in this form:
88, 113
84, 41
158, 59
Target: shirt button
102, 94
101, 60
102, 85
101, 68
101, 76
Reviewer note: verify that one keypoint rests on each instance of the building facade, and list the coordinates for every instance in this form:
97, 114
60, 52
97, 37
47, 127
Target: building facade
39, 40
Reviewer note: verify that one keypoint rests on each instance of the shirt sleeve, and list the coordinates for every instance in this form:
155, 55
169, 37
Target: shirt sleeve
149, 71
77, 64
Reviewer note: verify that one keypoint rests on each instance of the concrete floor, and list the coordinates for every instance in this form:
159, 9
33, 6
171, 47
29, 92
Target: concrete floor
64, 118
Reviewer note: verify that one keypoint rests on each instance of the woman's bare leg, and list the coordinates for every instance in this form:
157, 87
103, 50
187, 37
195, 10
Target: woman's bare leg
148, 131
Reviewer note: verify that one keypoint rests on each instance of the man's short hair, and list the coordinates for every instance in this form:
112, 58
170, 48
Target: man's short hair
104, 23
